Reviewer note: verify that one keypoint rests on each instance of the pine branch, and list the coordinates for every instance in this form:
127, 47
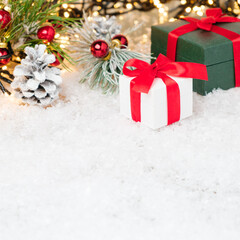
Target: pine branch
27, 17
99, 72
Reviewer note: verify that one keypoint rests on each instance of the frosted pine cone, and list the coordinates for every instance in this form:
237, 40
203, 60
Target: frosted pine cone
105, 27
35, 82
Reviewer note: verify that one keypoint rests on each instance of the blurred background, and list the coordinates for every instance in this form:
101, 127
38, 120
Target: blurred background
175, 8
146, 13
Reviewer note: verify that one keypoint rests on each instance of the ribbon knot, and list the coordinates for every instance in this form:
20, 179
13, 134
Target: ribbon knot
144, 75
208, 23
214, 16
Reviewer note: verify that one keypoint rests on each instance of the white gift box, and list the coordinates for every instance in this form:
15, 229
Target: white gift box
154, 110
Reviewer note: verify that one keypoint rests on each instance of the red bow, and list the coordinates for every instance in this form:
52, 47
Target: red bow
214, 15
144, 75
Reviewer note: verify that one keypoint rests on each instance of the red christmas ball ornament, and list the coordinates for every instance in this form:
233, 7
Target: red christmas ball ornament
5, 18
99, 49
56, 25
57, 62
4, 61
46, 33
123, 40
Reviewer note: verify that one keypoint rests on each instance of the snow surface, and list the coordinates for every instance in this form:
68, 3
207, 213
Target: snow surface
80, 170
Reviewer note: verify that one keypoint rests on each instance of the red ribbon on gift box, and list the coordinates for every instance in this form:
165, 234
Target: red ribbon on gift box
214, 16
144, 75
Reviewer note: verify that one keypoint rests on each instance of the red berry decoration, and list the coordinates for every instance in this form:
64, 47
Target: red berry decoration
57, 62
99, 49
5, 18
123, 40
4, 61
56, 25
46, 33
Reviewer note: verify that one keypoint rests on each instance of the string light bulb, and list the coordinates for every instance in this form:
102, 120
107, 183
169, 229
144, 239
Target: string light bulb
65, 5
66, 14
183, 2
188, 9
129, 6
210, 2
162, 11
200, 13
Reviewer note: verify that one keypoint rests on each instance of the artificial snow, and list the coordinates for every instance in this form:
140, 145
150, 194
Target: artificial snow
80, 170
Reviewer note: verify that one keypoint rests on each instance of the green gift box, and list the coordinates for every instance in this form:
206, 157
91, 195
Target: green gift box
200, 46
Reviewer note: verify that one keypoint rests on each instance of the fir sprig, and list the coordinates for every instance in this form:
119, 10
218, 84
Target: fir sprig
27, 17
99, 72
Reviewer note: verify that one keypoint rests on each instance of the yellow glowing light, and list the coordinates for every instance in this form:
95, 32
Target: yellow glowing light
210, 2
145, 38
18, 59
66, 14
157, 3
65, 5
199, 13
95, 13
7, 8
136, 22
188, 9
117, 5
172, 19
161, 10
236, 11
129, 6
62, 46
65, 38
238, 1
4, 68
195, 8
183, 2
57, 35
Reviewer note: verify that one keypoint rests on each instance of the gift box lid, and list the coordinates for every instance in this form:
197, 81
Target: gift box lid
199, 46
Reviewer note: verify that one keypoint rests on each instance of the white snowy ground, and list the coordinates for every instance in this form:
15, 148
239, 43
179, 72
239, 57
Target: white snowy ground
81, 171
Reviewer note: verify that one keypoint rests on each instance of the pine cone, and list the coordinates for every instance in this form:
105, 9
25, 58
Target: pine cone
105, 27
35, 82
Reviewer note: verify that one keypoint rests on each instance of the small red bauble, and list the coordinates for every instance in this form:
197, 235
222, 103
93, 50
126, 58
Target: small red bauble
46, 33
5, 18
123, 40
4, 52
56, 25
99, 49
57, 62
